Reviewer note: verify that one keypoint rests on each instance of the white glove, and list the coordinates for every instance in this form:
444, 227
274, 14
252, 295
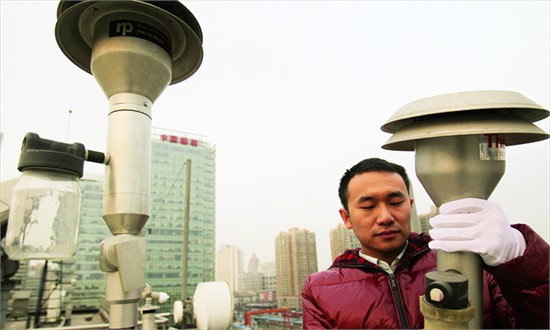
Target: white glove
478, 226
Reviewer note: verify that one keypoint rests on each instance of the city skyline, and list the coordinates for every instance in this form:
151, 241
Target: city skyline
292, 93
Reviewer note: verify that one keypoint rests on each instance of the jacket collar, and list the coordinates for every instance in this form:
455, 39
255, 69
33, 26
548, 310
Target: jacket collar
418, 244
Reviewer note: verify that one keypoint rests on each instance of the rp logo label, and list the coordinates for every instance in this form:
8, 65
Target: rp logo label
136, 29
122, 28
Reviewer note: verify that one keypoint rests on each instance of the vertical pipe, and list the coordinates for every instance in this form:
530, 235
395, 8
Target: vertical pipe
38, 308
126, 192
470, 265
185, 243
127, 177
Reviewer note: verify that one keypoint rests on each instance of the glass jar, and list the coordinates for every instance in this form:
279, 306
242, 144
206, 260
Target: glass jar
44, 216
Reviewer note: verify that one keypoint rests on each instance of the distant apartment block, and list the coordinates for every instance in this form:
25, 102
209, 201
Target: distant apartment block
229, 266
296, 257
341, 239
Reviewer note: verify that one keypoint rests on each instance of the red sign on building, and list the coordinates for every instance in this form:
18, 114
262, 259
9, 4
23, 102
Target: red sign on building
180, 140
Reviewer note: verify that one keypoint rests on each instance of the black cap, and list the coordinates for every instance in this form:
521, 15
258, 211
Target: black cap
38, 153
454, 287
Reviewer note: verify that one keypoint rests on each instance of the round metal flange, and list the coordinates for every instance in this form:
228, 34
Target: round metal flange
74, 30
486, 101
515, 130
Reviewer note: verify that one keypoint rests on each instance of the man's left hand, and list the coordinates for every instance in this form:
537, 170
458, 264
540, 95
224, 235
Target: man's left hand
478, 226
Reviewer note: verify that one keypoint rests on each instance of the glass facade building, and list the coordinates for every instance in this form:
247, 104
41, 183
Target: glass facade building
89, 289
164, 230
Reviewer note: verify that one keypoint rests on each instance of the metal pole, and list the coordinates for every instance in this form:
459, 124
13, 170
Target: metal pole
185, 243
38, 309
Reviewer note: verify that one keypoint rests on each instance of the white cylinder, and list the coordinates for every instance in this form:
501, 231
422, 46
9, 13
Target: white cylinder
213, 305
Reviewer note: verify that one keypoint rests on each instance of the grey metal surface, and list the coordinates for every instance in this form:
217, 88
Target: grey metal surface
75, 30
490, 101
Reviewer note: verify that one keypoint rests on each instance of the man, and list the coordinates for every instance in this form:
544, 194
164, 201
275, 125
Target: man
379, 285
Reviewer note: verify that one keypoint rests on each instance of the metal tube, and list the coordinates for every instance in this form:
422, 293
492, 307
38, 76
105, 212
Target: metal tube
126, 190
185, 243
148, 322
123, 305
38, 309
127, 177
470, 265
451, 168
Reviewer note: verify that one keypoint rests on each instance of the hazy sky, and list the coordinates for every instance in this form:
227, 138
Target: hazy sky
294, 92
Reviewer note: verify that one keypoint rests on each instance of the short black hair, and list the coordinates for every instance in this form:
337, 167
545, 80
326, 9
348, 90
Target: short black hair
369, 165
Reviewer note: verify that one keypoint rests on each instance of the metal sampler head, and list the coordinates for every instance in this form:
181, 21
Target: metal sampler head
459, 139
131, 46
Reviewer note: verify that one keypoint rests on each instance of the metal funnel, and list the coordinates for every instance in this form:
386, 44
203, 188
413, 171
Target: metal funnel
134, 49
459, 141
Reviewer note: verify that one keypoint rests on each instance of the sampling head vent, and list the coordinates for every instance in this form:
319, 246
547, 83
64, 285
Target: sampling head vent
459, 139
130, 46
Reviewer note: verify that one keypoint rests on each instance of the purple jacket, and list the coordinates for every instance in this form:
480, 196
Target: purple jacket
354, 293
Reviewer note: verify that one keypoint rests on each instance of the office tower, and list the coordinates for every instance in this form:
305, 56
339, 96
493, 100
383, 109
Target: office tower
229, 266
89, 289
341, 239
164, 230
296, 257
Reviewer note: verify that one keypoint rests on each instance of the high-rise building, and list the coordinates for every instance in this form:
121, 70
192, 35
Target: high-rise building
341, 239
89, 289
229, 266
165, 228
296, 257
170, 151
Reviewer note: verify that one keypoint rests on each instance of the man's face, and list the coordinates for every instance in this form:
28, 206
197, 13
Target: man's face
379, 213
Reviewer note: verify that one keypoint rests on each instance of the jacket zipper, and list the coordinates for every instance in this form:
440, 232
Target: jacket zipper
399, 303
